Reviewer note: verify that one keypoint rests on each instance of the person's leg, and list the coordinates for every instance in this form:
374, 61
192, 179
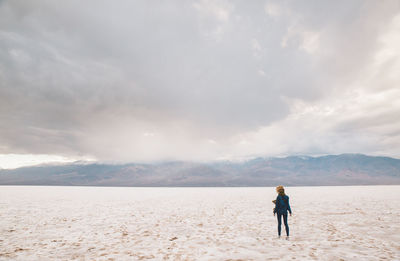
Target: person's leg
279, 223
286, 224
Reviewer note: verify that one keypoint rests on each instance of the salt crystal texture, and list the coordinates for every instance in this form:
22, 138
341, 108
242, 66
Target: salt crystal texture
110, 223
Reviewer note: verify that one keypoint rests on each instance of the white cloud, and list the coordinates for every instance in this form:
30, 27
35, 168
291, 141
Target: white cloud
142, 81
273, 9
386, 63
355, 121
310, 42
307, 41
219, 9
261, 72
214, 17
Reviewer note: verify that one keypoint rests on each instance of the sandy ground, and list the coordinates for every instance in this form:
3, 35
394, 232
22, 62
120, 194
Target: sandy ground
92, 223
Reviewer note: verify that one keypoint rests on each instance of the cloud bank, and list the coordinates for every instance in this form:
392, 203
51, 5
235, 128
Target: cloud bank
199, 80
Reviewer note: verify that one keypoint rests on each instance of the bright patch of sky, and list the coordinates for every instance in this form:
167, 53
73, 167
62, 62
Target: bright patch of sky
11, 161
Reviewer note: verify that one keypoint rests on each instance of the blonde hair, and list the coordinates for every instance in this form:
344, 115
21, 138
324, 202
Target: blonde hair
281, 190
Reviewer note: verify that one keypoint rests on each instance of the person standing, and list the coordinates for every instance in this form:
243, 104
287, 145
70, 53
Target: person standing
282, 207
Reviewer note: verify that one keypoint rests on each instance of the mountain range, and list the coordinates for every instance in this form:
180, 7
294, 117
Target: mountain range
344, 169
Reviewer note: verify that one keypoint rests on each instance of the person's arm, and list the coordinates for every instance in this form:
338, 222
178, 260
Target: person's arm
276, 205
288, 206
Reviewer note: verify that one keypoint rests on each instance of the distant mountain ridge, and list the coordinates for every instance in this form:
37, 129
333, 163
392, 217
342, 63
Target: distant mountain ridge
344, 169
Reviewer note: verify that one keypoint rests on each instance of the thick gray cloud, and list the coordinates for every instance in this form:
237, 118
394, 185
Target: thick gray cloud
151, 80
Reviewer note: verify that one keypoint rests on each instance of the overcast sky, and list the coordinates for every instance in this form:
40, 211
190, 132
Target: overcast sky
197, 80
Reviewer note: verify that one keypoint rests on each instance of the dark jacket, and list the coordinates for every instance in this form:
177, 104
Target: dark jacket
282, 205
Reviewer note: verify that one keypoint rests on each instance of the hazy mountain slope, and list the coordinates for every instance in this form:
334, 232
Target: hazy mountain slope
345, 169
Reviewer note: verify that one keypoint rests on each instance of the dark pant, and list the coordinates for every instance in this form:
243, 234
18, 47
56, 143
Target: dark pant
280, 223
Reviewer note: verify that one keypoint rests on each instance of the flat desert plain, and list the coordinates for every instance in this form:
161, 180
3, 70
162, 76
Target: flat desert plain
121, 223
